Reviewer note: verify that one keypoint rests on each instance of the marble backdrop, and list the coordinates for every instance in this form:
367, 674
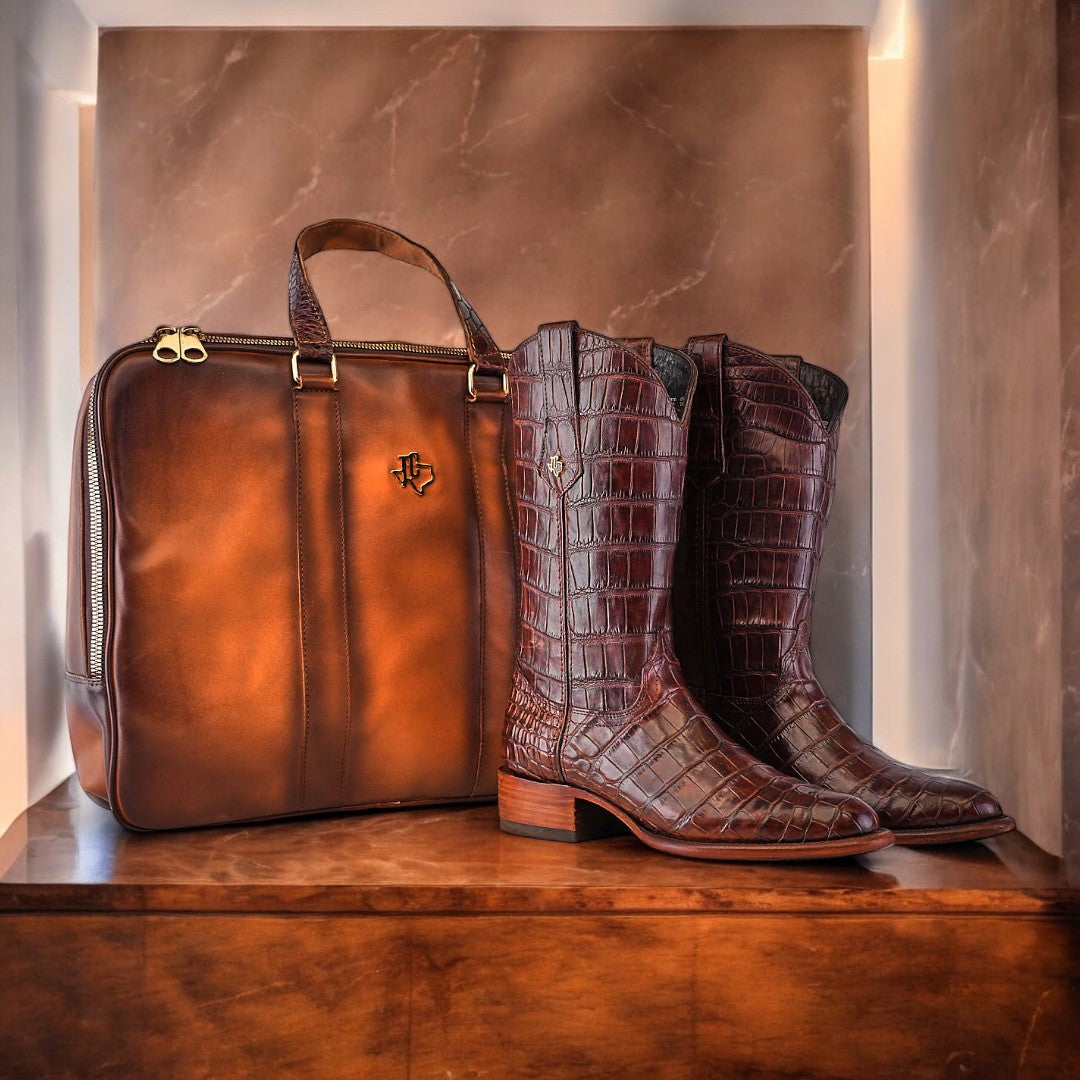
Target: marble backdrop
988, 187
1069, 134
643, 182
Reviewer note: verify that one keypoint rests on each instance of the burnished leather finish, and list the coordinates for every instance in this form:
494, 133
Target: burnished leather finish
761, 475
322, 561
598, 701
288, 626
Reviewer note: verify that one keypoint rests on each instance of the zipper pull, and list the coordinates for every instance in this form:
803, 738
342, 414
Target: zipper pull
191, 346
167, 349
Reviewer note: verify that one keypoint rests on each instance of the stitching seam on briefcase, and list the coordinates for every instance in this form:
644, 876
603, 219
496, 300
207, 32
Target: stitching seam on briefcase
344, 600
481, 574
303, 614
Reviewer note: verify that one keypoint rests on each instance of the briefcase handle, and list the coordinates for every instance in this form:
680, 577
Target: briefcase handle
310, 332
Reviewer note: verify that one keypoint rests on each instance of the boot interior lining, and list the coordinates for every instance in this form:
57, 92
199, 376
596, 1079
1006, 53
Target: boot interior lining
676, 372
829, 391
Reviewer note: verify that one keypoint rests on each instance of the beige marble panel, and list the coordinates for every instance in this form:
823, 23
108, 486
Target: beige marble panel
642, 182
990, 382
1069, 135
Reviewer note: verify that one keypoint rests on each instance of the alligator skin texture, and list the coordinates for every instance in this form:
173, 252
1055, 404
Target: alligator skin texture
306, 317
761, 473
598, 699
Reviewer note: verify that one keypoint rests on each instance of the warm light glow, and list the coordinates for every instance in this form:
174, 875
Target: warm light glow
887, 31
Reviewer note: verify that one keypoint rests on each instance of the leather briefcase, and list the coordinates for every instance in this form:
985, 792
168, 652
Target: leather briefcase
291, 576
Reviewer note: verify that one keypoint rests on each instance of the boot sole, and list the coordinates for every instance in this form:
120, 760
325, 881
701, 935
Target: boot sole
544, 810
954, 834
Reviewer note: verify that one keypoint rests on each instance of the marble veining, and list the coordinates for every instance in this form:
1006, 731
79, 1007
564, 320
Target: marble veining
664, 182
991, 398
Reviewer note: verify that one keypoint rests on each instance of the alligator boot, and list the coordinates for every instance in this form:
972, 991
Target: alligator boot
602, 734
762, 460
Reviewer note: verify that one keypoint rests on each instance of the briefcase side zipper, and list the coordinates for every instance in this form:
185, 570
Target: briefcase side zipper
95, 659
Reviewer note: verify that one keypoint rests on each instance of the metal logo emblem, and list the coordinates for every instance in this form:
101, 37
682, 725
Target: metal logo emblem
555, 464
412, 472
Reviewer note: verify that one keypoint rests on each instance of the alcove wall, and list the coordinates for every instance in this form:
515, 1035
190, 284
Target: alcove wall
651, 181
967, 401
1068, 30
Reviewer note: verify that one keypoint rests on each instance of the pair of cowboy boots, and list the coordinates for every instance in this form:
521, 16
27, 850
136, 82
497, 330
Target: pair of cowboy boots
743, 757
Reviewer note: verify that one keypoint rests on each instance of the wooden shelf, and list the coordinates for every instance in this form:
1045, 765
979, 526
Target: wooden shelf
428, 943
67, 854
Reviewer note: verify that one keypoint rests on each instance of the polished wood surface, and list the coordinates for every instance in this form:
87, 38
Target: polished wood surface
427, 944
536, 996
67, 853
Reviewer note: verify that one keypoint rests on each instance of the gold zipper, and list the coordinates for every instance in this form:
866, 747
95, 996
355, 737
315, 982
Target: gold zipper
167, 349
171, 344
191, 346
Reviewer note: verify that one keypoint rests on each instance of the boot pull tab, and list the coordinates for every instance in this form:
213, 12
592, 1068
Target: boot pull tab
707, 435
560, 447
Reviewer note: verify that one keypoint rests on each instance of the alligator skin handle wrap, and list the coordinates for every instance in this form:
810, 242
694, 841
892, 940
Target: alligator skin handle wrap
306, 318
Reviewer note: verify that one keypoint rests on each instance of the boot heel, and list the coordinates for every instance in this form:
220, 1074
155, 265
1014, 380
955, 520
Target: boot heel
549, 811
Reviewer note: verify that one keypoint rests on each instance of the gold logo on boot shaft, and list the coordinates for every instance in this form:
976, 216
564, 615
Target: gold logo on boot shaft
555, 464
412, 472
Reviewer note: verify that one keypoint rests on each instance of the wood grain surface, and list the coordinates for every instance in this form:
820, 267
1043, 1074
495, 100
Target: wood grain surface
538, 996
427, 944
68, 854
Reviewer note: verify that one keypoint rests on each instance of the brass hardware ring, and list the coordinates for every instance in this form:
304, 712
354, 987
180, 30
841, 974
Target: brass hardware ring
298, 380
471, 384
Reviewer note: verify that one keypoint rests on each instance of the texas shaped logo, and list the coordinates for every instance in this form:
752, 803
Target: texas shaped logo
412, 472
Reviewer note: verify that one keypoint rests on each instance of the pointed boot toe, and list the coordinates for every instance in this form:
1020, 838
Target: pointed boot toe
856, 818
943, 810
762, 469
983, 807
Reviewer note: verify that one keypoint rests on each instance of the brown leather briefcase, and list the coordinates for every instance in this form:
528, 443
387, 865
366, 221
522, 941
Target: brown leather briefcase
291, 578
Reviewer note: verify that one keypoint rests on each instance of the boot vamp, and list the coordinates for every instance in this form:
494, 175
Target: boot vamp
670, 768
800, 732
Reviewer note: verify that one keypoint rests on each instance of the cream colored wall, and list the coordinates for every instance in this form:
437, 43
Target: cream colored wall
900, 696
13, 779
47, 66
480, 13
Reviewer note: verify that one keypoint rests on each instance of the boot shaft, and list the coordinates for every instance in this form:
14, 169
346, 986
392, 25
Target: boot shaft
761, 478
600, 431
